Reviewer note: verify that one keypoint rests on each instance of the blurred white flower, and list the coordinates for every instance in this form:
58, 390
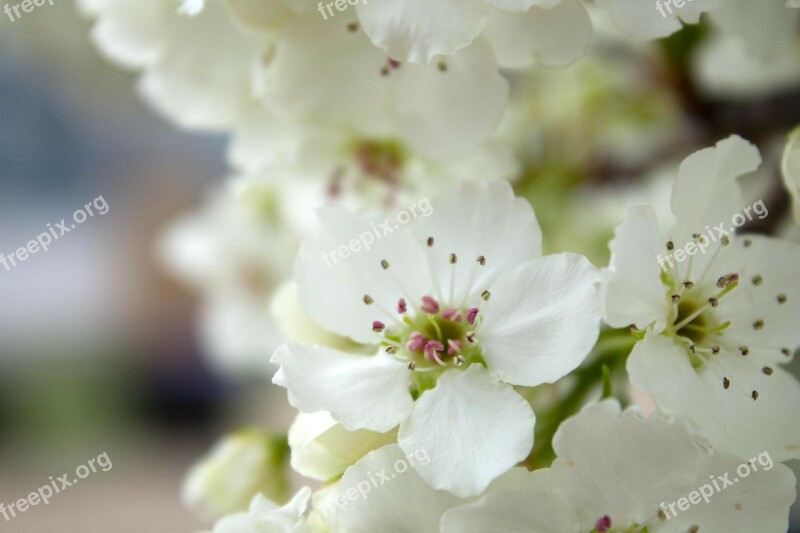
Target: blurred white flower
719, 321
195, 69
240, 466
264, 516
438, 303
616, 471
322, 449
790, 169
236, 251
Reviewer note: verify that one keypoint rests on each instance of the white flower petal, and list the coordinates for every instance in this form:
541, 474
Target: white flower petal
468, 223
323, 449
651, 20
473, 427
202, 76
758, 502
632, 291
541, 321
360, 391
418, 30
445, 110
706, 190
791, 171
531, 505
620, 465
341, 263
368, 503
768, 290
767, 30
322, 70
728, 418
555, 36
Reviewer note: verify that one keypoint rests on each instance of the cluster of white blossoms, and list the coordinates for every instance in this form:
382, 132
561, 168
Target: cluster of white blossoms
449, 375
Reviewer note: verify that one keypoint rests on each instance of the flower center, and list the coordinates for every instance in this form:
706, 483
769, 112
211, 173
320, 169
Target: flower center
435, 336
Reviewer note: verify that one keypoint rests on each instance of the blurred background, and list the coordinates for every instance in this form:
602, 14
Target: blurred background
99, 348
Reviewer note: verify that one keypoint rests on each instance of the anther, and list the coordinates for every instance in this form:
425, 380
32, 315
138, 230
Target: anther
430, 241
758, 324
394, 63
693, 529
699, 238
676, 298
471, 336
787, 352
755, 395
726, 383
725, 240
368, 299
384, 70
713, 301
670, 245
688, 284
459, 360
781, 298
352, 27
757, 280
726, 280
693, 348
453, 259
385, 264
486, 295
412, 365
471, 315
378, 326
430, 305
401, 306
442, 66
481, 260
715, 349
744, 349
767, 370
747, 243
391, 350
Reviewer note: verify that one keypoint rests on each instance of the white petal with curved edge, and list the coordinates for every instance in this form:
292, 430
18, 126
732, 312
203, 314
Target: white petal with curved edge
768, 290
632, 291
469, 223
651, 20
767, 30
790, 168
729, 419
202, 76
531, 505
555, 36
445, 110
323, 449
473, 427
341, 263
706, 191
368, 502
360, 391
619, 464
759, 501
541, 321
418, 30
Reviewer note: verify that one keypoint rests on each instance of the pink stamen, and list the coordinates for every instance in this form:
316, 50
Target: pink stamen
449, 313
455, 346
416, 342
432, 349
471, 314
401, 306
603, 524
378, 326
430, 305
